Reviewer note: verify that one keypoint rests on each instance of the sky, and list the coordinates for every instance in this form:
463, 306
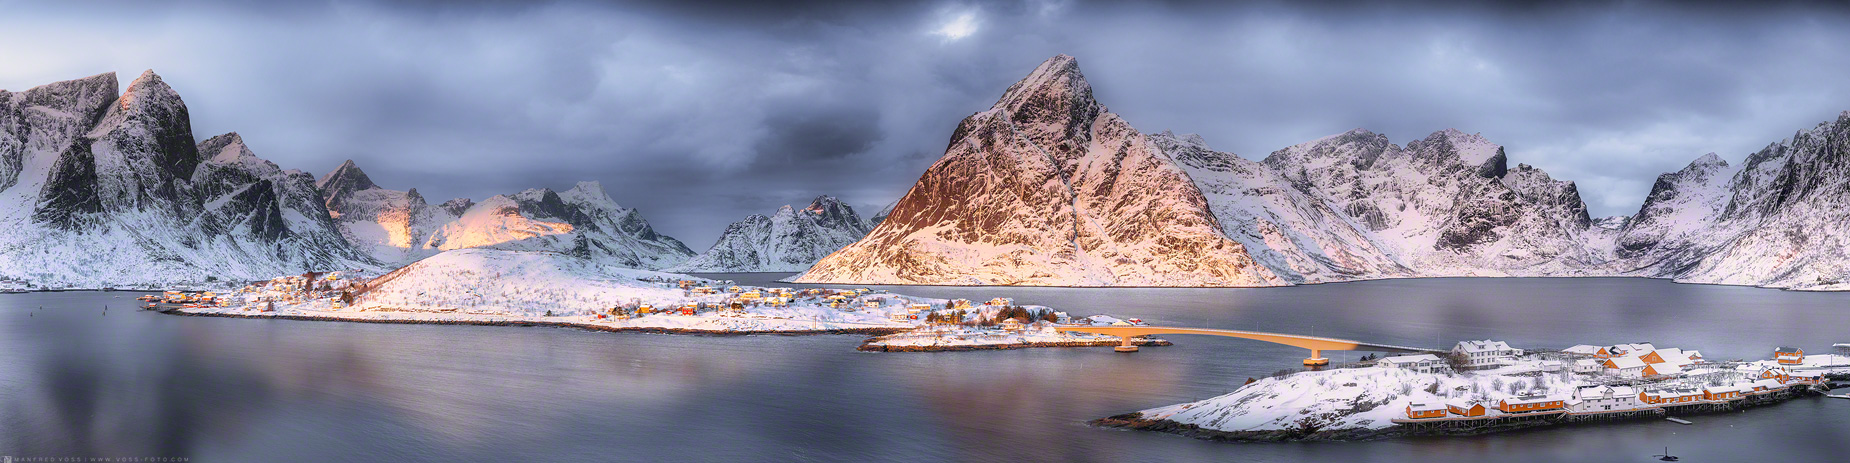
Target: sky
700, 113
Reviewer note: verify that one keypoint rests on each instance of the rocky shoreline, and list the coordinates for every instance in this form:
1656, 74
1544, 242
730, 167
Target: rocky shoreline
582, 326
1136, 421
869, 346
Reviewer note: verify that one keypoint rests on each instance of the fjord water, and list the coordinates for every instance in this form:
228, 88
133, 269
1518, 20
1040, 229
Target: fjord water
76, 382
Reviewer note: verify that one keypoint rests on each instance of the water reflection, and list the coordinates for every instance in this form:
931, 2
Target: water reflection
77, 382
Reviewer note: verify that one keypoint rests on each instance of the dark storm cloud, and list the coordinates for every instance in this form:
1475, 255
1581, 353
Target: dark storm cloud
702, 112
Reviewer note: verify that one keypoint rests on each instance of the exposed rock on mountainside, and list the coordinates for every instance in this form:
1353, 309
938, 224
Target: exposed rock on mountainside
1048, 188
1295, 233
400, 227
1778, 220
103, 190
389, 225
1446, 205
789, 241
99, 190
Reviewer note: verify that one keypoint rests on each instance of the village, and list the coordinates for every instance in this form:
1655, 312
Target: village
1611, 382
1485, 386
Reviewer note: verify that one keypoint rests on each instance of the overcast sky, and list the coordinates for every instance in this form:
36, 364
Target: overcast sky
702, 113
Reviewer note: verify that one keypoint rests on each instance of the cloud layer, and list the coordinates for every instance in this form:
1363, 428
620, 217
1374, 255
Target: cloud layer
701, 113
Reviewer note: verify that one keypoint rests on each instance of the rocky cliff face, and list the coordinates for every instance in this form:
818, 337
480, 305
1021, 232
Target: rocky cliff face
99, 189
1048, 187
790, 240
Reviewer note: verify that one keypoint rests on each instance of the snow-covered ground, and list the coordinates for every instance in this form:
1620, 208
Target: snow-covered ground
496, 286
484, 285
1347, 398
1355, 401
962, 337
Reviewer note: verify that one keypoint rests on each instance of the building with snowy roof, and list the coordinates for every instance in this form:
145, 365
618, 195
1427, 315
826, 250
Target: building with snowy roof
1604, 399
1626, 367
1486, 353
1423, 363
1789, 355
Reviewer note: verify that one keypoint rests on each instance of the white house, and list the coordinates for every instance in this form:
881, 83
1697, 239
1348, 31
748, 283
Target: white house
1604, 398
1583, 349
1486, 353
1588, 366
1423, 363
1626, 367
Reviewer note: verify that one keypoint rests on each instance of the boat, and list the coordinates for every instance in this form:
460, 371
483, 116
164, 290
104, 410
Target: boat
1838, 396
1666, 456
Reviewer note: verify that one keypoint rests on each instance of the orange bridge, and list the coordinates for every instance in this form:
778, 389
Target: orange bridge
1316, 344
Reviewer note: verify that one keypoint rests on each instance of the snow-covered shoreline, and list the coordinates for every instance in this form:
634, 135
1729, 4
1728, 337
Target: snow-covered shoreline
793, 328
1370, 402
483, 286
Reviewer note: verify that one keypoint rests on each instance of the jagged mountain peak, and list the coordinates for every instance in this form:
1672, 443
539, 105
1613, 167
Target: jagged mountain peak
591, 194
1471, 148
84, 99
229, 149
789, 240
1359, 147
589, 189
1058, 77
825, 205
344, 179
456, 206
1710, 158
215, 146
1187, 139
1053, 107
148, 89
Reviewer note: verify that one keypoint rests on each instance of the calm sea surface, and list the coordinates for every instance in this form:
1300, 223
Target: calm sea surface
76, 381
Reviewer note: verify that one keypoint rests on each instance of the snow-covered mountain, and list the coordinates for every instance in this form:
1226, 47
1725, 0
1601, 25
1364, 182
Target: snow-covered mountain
103, 189
788, 241
399, 227
391, 226
1446, 205
1048, 187
1778, 220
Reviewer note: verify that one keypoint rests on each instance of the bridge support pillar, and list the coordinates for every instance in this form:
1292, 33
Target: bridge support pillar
1316, 359
1126, 346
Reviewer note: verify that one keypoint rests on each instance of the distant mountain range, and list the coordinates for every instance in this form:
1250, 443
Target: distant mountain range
787, 241
1047, 187
398, 227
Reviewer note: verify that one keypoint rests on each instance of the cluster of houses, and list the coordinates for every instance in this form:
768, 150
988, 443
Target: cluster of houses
1663, 369
1474, 355
737, 298
1640, 360
264, 295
